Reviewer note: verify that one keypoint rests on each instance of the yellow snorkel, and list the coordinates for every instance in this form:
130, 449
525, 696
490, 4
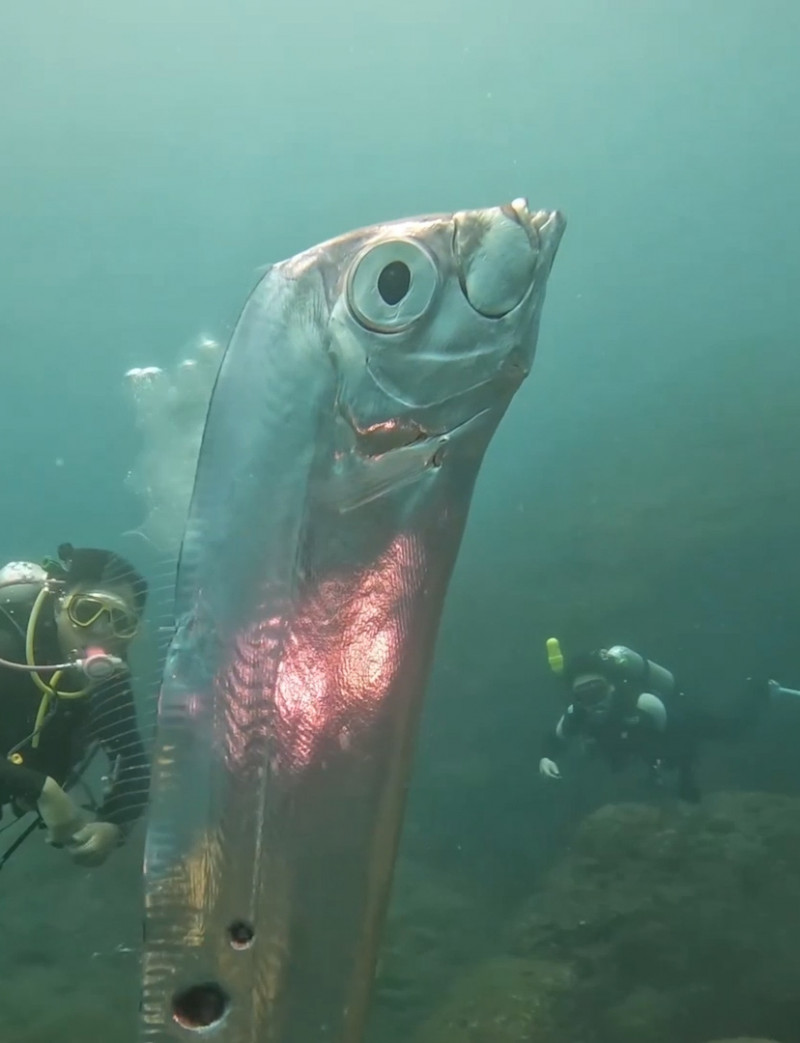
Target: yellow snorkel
555, 657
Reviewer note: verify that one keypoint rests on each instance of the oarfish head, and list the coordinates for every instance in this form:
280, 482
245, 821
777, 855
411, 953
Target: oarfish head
432, 320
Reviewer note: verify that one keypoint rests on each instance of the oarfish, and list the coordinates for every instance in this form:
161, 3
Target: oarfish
352, 409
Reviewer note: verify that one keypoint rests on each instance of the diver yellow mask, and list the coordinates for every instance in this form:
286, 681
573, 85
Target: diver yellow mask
85, 609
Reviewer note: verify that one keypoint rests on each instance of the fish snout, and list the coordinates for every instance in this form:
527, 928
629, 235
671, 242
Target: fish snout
501, 253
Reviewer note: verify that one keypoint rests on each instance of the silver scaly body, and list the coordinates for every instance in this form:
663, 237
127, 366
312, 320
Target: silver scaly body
352, 410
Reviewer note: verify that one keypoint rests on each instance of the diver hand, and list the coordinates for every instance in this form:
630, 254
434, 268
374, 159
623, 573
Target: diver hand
777, 689
549, 769
59, 812
93, 843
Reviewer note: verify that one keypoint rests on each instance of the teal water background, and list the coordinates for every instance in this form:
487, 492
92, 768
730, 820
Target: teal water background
643, 487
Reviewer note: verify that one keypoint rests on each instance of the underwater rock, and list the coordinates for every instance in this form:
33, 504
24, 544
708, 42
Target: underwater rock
505, 1000
660, 923
433, 932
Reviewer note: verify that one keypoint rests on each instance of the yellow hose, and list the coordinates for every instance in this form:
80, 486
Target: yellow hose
49, 691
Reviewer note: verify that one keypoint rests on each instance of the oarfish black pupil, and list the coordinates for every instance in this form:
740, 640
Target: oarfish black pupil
394, 281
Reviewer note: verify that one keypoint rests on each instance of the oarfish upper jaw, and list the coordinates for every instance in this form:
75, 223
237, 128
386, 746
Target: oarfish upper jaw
502, 253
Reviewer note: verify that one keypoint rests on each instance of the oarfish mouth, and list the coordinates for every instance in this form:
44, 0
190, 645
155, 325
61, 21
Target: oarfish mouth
381, 438
501, 253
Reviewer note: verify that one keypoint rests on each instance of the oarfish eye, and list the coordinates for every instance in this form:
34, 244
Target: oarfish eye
391, 285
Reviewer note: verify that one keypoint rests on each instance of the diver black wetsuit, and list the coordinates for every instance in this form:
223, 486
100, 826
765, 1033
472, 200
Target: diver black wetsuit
630, 731
106, 715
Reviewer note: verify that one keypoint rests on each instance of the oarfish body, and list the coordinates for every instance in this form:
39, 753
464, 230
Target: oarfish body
352, 409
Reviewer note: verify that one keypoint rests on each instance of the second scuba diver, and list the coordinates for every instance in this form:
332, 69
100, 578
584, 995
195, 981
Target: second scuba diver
625, 707
65, 630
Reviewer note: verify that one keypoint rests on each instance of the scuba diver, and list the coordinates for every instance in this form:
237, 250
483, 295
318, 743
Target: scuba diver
625, 707
65, 629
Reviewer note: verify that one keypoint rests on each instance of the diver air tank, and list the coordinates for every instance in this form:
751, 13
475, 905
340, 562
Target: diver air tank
642, 673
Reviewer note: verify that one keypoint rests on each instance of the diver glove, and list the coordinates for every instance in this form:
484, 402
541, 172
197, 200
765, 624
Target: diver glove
93, 843
549, 769
59, 812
